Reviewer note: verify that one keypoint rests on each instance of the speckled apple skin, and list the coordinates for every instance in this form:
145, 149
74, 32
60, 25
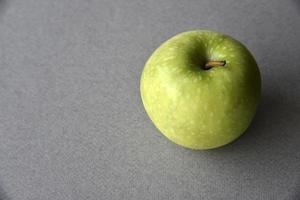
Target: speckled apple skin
197, 108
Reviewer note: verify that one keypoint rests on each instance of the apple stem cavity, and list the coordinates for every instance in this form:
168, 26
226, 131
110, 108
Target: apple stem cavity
211, 64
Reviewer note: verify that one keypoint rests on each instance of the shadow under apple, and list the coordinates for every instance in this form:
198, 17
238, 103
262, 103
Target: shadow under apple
3, 5
297, 2
3, 195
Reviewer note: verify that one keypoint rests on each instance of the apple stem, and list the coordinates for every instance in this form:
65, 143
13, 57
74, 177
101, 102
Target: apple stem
211, 64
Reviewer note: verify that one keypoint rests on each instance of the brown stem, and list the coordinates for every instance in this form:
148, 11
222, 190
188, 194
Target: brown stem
211, 64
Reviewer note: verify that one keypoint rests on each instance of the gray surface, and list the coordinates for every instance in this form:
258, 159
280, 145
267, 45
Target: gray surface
72, 125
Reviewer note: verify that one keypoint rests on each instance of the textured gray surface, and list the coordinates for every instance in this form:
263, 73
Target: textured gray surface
72, 125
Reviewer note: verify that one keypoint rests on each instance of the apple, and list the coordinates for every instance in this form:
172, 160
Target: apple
201, 89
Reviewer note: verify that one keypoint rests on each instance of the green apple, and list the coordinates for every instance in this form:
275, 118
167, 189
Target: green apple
201, 89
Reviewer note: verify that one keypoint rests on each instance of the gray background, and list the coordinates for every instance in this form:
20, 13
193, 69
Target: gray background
72, 125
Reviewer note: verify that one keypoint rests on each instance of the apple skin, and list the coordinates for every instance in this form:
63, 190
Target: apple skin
197, 108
